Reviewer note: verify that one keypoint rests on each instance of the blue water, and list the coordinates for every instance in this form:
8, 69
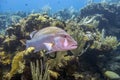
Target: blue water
29, 5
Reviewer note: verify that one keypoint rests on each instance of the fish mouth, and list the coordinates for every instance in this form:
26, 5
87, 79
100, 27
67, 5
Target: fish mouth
74, 46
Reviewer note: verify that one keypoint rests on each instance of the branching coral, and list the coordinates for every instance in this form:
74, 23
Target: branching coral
106, 43
89, 22
37, 71
111, 42
79, 36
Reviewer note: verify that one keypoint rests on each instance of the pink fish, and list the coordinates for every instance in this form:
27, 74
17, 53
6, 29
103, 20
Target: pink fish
51, 39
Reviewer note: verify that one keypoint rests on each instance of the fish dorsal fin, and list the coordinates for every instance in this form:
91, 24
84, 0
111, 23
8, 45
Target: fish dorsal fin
48, 46
33, 33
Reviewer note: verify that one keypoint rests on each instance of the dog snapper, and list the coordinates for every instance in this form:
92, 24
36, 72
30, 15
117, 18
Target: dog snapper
51, 39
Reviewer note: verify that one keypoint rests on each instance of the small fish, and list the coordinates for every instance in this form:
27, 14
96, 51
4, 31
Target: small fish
51, 39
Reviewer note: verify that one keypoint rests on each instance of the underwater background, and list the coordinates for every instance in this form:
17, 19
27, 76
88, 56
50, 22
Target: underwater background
30, 5
94, 24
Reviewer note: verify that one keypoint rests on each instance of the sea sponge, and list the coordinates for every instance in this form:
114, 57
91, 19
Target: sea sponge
111, 75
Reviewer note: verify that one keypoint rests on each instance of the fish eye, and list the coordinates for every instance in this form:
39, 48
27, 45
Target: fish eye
65, 36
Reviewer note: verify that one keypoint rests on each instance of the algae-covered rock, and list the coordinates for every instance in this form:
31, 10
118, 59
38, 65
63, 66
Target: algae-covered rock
111, 75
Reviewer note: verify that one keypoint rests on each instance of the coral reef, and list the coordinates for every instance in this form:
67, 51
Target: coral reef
95, 46
109, 19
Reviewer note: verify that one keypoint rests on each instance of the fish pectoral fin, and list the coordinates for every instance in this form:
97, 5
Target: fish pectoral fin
48, 46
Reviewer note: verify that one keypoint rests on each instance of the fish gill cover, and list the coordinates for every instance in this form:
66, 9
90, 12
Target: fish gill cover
93, 24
